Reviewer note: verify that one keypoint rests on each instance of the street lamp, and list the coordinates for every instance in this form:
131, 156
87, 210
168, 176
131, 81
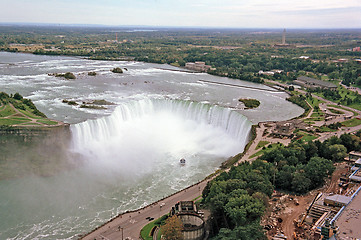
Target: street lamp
119, 227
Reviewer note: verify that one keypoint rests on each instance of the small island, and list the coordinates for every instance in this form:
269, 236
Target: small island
67, 75
250, 103
117, 70
94, 104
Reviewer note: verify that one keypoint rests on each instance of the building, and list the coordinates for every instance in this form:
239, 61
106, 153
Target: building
314, 83
270, 73
356, 175
193, 222
346, 224
198, 66
336, 200
354, 156
286, 128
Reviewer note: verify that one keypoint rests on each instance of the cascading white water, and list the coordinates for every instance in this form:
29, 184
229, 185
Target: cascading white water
140, 134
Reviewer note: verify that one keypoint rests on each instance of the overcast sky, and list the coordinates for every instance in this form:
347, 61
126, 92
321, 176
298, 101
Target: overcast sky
188, 13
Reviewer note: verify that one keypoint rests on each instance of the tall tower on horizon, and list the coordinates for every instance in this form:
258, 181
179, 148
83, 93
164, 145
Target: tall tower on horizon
116, 37
284, 37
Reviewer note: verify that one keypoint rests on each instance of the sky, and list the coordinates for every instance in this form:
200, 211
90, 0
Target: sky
187, 13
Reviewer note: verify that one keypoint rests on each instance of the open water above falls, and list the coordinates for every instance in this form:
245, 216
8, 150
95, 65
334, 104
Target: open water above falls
128, 155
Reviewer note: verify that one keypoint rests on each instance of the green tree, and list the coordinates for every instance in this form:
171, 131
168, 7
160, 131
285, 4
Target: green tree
244, 209
318, 169
252, 231
337, 152
300, 183
17, 96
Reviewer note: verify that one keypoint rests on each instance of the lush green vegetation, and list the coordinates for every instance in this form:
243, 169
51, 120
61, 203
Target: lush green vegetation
146, 230
92, 106
67, 75
300, 100
238, 199
341, 96
267, 149
117, 70
92, 73
340, 107
335, 111
23, 111
250, 103
352, 122
261, 144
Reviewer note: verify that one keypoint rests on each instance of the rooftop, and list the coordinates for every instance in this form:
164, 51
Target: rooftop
317, 82
344, 200
349, 220
355, 153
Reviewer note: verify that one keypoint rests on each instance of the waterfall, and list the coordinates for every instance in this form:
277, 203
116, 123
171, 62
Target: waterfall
143, 129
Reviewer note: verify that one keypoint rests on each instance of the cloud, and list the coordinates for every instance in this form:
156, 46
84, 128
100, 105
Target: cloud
225, 13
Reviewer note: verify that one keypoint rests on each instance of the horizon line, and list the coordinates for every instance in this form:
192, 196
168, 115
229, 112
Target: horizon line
92, 25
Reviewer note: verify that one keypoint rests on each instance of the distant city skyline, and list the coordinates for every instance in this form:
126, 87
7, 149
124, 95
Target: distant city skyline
187, 13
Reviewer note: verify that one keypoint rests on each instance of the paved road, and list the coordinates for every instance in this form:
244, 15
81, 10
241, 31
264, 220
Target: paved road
130, 224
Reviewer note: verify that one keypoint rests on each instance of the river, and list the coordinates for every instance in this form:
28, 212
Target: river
127, 155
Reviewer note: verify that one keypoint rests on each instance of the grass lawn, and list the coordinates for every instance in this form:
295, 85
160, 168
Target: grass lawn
31, 123
146, 230
305, 136
314, 102
355, 106
316, 119
267, 149
326, 129
317, 114
7, 111
47, 122
11, 121
339, 107
344, 92
335, 111
261, 144
29, 114
351, 123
